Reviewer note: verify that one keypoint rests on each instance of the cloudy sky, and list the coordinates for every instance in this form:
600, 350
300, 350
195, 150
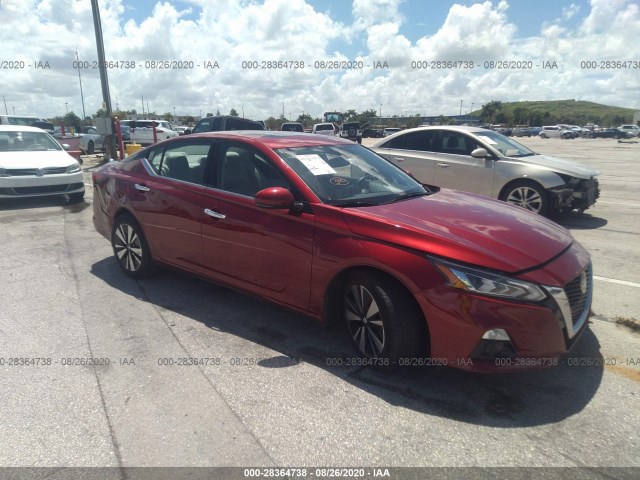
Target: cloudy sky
585, 42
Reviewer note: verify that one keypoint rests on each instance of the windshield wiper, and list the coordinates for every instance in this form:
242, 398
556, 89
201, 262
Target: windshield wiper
524, 155
353, 203
406, 196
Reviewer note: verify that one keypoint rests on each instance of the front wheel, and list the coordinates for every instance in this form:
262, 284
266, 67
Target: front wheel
528, 195
76, 197
130, 247
90, 148
381, 318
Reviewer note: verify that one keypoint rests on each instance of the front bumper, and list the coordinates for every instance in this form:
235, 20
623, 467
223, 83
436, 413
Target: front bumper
578, 196
34, 186
538, 335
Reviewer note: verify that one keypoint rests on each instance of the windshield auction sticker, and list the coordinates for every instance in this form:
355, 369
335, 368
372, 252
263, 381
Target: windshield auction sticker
316, 164
490, 141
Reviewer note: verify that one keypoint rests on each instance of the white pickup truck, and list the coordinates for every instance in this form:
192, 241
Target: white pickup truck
143, 131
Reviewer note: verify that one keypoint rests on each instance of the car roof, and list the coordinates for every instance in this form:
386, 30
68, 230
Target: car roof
19, 128
271, 139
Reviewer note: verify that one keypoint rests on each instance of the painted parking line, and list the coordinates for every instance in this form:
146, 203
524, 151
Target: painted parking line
618, 203
619, 282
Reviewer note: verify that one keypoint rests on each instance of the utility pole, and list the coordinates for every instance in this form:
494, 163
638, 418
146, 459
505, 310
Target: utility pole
142, 96
106, 97
6, 112
84, 114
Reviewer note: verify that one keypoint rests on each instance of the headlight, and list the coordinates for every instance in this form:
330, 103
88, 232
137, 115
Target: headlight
73, 168
488, 283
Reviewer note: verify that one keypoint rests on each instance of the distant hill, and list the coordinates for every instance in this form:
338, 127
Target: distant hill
538, 113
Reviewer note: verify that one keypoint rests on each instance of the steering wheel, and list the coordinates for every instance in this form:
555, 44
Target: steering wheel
364, 181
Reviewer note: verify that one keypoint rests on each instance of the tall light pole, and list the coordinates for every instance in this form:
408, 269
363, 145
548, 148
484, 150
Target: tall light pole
460, 108
104, 81
66, 107
5, 105
380, 112
84, 114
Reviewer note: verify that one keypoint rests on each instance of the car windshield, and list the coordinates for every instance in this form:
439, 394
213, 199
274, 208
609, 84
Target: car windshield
350, 175
21, 141
505, 145
324, 126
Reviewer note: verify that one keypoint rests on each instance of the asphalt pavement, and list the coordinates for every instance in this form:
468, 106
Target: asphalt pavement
173, 371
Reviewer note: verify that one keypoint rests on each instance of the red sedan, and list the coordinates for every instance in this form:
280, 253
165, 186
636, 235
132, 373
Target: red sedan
328, 228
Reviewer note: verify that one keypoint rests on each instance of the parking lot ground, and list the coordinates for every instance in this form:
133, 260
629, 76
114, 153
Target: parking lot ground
199, 375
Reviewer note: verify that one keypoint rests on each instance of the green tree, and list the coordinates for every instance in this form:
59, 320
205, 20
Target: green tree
489, 111
168, 116
72, 120
305, 119
414, 121
233, 113
272, 123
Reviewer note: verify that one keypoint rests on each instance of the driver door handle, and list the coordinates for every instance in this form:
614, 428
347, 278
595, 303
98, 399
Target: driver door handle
213, 214
444, 165
398, 159
141, 187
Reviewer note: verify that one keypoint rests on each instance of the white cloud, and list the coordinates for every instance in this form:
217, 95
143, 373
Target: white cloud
233, 31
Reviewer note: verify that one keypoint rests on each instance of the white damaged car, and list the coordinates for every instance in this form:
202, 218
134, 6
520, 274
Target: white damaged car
488, 163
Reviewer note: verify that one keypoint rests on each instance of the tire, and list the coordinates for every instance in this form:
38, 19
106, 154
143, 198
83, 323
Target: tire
381, 318
76, 197
543, 135
130, 247
90, 147
528, 195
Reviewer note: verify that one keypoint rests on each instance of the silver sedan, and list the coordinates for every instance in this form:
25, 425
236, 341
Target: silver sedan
488, 163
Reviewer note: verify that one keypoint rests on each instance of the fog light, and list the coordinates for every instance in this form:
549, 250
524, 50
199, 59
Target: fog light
496, 334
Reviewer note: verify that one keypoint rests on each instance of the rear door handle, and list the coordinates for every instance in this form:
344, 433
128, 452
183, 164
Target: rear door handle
398, 159
444, 165
142, 188
213, 214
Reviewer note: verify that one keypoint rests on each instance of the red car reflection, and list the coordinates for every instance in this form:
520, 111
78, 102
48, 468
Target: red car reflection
328, 228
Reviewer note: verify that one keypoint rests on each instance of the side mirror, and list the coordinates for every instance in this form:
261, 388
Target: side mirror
480, 153
66, 146
275, 198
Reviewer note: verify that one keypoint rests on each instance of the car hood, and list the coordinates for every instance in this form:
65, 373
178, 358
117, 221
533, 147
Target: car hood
559, 165
36, 159
464, 227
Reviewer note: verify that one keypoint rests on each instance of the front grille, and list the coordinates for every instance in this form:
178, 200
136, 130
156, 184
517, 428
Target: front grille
24, 172
574, 302
44, 189
578, 299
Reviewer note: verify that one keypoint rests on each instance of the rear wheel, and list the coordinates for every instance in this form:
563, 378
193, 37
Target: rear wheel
381, 318
527, 194
90, 147
130, 247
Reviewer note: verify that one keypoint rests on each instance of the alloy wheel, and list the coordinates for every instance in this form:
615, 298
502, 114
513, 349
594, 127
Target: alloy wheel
525, 197
128, 248
364, 320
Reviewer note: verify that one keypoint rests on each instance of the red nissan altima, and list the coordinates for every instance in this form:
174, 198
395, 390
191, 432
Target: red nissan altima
328, 228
